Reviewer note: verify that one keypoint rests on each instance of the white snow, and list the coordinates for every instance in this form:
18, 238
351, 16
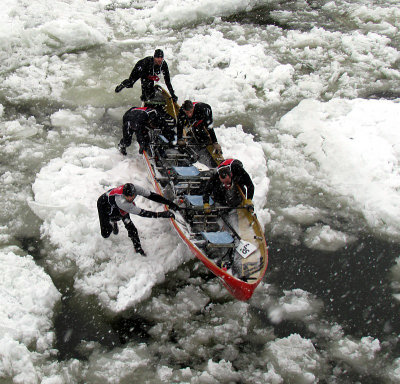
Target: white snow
324, 238
27, 301
332, 146
118, 365
295, 359
360, 354
295, 305
350, 149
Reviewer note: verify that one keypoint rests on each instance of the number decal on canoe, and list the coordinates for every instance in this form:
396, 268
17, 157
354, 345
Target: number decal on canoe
245, 249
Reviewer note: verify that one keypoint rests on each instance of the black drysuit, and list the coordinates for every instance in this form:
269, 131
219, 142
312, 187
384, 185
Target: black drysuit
139, 120
149, 72
112, 206
230, 197
200, 123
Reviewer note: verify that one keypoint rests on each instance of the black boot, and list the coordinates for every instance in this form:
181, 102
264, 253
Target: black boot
133, 235
122, 149
139, 250
115, 228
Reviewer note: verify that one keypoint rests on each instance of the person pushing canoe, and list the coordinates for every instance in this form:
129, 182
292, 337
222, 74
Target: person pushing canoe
117, 203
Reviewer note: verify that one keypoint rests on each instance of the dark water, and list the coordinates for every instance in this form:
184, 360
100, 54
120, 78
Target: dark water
82, 319
355, 287
303, 16
258, 16
353, 283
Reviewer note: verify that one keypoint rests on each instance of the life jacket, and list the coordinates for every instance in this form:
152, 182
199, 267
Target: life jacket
111, 194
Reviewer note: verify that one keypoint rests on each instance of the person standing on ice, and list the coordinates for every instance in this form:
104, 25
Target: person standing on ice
149, 70
221, 186
139, 120
117, 203
198, 116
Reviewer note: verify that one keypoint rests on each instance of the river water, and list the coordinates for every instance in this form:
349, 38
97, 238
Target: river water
305, 93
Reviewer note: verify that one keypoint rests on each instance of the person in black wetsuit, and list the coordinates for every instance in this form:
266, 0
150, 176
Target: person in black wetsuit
149, 70
139, 120
117, 203
198, 116
221, 186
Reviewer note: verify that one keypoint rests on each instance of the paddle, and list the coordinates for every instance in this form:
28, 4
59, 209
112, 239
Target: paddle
174, 108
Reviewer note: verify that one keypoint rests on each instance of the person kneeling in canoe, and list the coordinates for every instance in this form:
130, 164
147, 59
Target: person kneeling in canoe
221, 186
117, 203
139, 120
197, 116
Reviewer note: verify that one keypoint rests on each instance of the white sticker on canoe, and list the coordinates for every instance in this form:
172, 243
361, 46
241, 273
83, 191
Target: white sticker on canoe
245, 249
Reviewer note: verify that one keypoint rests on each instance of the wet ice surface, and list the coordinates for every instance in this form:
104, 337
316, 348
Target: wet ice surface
300, 77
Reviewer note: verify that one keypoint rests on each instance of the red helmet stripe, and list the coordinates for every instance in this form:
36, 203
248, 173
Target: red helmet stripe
225, 163
116, 191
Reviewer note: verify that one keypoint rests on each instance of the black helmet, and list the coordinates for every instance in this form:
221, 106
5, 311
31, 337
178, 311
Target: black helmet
128, 190
158, 53
187, 105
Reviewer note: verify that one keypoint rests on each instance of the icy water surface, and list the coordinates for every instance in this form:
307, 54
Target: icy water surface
305, 93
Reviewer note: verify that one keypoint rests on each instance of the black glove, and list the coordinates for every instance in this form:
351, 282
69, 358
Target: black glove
174, 206
119, 88
174, 98
166, 215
